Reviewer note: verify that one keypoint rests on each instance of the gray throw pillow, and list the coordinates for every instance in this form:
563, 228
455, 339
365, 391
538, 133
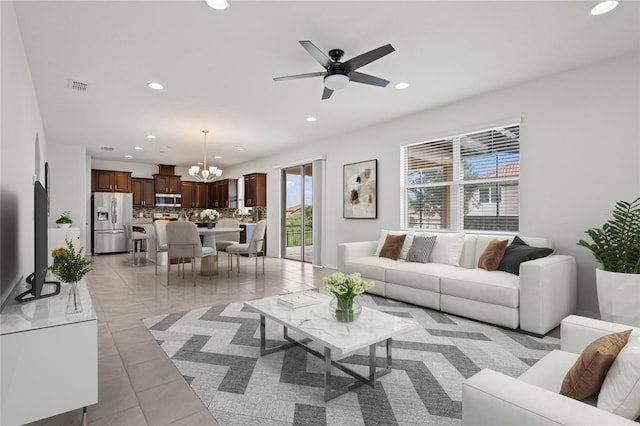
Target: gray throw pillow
421, 249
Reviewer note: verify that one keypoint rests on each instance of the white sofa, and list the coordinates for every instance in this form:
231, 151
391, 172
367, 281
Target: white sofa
535, 301
492, 398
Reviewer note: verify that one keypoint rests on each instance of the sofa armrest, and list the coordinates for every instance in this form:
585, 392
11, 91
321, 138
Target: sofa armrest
492, 398
547, 292
348, 251
577, 332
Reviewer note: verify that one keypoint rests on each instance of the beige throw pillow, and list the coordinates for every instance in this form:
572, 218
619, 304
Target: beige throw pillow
588, 372
492, 255
392, 246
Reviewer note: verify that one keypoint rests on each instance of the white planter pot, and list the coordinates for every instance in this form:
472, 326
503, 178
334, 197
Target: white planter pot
619, 297
63, 225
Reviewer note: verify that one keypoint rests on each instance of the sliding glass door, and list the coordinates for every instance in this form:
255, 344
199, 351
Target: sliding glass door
297, 217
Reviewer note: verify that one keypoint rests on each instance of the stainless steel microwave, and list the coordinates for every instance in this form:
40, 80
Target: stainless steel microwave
168, 200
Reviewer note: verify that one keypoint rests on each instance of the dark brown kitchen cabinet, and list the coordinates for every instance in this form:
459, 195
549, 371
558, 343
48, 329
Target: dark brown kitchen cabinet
168, 184
194, 194
224, 194
143, 192
110, 181
255, 190
201, 195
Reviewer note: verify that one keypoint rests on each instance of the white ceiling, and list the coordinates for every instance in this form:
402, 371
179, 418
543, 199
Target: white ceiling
217, 66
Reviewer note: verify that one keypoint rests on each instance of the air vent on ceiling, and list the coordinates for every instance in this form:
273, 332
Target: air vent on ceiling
106, 148
78, 85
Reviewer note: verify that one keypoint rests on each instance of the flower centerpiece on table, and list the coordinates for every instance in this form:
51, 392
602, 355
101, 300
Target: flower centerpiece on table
70, 266
345, 288
209, 216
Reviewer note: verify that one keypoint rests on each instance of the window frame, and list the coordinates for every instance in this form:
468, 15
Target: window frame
455, 208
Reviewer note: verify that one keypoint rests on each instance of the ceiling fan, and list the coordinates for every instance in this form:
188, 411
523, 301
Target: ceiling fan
338, 74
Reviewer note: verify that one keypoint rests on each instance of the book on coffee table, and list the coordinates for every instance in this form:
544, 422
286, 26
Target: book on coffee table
298, 300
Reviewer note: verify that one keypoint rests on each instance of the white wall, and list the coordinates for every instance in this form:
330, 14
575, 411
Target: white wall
580, 138
21, 160
67, 165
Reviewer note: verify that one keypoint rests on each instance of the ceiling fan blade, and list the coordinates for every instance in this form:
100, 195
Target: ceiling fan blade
370, 56
294, 77
317, 54
326, 94
359, 77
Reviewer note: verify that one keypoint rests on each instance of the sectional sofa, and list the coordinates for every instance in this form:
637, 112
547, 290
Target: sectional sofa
535, 301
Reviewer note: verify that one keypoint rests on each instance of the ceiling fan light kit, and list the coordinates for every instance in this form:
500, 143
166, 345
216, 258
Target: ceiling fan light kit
336, 81
337, 74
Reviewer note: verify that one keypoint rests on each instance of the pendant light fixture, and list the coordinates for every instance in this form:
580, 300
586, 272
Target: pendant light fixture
206, 174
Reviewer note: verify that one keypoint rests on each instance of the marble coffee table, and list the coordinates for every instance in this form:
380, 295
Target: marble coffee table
315, 323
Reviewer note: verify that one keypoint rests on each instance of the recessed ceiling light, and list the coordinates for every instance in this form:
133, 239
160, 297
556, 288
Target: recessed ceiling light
402, 85
311, 119
128, 156
139, 148
217, 4
155, 86
240, 149
150, 137
603, 7
218, 157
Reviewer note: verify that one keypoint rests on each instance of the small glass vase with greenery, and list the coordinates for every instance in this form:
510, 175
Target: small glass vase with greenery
69, 266
345, 288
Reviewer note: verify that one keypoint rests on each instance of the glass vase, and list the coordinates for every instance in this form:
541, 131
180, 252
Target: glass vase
345, 311
74, 305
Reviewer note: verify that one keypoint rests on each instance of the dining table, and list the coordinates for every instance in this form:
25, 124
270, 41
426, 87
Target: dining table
209, 240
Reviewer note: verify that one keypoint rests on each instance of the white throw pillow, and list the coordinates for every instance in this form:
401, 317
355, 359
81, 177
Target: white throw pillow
620, 392
448, 249
405, 246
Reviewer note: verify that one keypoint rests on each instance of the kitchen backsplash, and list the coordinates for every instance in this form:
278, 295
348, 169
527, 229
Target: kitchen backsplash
187, 213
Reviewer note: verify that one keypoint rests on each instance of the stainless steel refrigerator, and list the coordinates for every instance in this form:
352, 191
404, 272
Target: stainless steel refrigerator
112, 219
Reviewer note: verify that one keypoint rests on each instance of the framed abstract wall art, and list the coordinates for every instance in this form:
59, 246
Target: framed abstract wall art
360, 190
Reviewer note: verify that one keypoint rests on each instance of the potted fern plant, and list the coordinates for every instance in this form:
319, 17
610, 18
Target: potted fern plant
616, 247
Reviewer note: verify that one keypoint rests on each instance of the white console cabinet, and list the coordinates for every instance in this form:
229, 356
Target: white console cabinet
49, 359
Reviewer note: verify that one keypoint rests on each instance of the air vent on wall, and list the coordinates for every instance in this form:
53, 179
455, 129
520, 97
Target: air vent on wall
106, 148
78, 85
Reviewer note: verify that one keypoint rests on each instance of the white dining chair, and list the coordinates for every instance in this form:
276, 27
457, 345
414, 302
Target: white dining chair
160, 228
225, 239
136, 242
183, 242
253, 247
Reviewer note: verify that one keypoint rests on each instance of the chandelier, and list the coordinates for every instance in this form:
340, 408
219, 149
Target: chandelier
207, 174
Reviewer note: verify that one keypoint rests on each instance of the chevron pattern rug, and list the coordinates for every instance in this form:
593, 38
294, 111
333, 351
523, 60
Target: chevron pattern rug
217, 350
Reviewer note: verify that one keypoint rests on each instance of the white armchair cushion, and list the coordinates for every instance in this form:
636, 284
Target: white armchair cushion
620, 392
549, 372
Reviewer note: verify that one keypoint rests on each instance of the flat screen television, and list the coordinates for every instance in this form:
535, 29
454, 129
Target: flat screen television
38, 278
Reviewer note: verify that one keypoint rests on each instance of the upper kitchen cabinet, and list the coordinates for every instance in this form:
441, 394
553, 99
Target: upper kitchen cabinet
194, 194
143, 192
224, 193
166, 184
255, 190
110, 181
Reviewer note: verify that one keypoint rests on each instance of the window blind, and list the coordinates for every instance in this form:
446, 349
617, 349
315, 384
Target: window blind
463, 182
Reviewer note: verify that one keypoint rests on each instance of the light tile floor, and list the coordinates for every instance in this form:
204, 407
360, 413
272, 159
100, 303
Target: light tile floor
137, 383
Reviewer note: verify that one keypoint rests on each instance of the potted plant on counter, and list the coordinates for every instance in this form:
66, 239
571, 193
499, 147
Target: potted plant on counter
64, 221
616, 247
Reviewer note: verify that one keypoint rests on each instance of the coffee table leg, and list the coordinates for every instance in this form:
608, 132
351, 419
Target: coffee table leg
263, 339
389, 348
372, 365
327, 375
